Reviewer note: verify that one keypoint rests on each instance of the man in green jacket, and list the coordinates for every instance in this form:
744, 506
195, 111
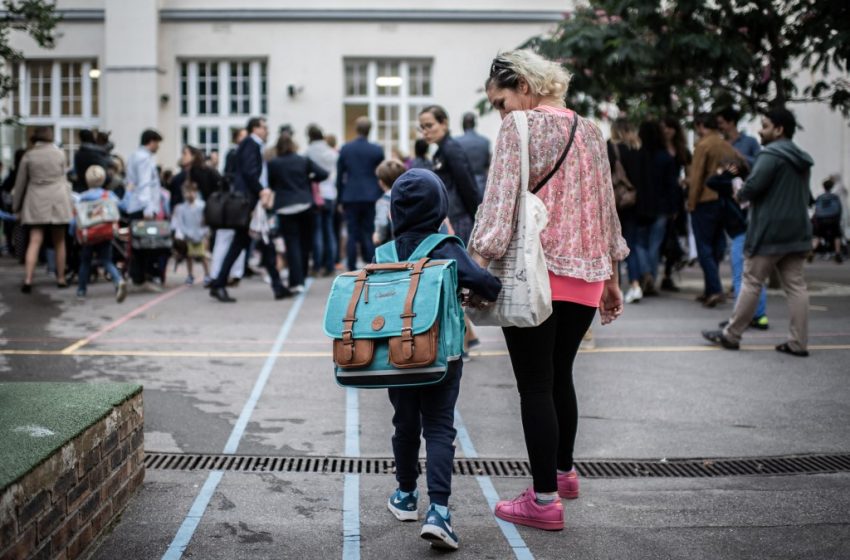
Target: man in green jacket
779, 233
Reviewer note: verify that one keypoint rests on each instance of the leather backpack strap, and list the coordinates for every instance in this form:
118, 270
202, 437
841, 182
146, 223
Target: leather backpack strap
350, 315
408, 314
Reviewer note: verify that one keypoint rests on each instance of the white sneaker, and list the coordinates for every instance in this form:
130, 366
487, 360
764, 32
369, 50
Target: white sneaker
121, 291
152, 287
634, 294
297, 289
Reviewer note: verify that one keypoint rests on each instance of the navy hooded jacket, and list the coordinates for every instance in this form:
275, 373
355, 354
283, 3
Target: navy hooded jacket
418, 206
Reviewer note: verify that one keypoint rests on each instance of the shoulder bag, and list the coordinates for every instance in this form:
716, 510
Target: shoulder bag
526, 297
625, 194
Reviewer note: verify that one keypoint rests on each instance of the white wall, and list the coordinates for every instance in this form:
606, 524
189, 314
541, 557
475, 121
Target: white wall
310, 55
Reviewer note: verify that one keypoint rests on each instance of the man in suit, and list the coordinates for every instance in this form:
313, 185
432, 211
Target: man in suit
477, 149
358, 190
250, 177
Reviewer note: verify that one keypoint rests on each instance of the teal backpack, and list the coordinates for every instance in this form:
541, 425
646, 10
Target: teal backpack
396, 324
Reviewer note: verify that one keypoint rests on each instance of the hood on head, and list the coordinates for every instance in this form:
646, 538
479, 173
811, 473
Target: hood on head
418, 202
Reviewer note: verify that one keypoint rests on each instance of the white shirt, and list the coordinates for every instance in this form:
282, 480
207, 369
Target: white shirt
144, 190
325, 157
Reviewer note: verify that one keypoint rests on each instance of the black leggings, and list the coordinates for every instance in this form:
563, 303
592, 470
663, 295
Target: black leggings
542, 359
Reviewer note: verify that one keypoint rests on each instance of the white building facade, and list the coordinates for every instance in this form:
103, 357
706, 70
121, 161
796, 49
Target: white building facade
197, 69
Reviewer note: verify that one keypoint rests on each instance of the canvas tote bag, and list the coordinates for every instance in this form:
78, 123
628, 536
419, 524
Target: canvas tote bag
526, 297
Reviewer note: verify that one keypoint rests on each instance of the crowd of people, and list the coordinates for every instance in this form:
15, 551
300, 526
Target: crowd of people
642, 198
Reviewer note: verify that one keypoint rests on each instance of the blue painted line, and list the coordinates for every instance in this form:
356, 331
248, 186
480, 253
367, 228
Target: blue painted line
199, 506
352, 422
351, 492
509, 530
351, 518
193, 518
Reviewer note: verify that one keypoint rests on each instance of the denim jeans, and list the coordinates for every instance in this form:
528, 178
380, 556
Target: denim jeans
630, 234
711, 243
324, 237
104, 254
648, 247
360, 222
736, 256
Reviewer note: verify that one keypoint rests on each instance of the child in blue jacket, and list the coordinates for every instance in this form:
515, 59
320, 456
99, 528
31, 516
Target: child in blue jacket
418, 207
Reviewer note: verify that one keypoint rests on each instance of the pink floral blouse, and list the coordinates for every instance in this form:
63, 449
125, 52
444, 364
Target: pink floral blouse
583, 235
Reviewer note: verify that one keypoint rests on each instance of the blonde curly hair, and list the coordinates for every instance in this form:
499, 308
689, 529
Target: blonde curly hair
544, 77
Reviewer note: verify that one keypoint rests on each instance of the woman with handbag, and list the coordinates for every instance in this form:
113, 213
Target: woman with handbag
290, 177
42, 198
581, 246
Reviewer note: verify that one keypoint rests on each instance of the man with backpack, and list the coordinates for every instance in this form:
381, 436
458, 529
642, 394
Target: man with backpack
827, 220
779, 232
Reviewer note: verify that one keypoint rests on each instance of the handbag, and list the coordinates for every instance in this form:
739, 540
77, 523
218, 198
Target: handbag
625, 194
396, 324
526, 297
228, 210
150, 234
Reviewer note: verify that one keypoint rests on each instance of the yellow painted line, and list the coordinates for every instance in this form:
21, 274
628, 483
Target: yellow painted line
482, 354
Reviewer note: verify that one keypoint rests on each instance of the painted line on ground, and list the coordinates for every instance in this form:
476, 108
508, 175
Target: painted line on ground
196, 512
328, 355
121, 320
509, 530
351, 489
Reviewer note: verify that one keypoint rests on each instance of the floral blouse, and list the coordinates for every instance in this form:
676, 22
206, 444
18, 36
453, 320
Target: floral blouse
583, 235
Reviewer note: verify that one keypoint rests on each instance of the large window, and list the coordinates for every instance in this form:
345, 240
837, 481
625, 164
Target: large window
62, 94
391, 93
217, 96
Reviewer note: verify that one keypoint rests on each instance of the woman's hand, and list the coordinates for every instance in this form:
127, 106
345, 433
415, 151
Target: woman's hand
611, 303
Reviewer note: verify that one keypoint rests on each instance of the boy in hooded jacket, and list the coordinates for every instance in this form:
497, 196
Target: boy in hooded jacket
418, 207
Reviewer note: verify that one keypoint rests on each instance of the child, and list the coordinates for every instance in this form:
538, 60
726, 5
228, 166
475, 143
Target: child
388, 171
827, 221
187, 223
419, 205
95, 179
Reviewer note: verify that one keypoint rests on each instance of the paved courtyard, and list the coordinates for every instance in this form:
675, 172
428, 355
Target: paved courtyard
254, 379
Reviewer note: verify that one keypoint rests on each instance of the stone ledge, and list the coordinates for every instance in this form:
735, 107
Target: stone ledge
60, 506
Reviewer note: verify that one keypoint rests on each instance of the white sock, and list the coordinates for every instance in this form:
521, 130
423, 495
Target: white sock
546, 497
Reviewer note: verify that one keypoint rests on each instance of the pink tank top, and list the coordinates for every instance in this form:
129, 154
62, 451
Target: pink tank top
575, 290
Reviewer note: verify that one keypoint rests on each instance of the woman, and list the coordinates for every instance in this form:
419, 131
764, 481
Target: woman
653, 202
42, 197
195, 169
582, 245
625, 147
674, 141
290, 176
451, 164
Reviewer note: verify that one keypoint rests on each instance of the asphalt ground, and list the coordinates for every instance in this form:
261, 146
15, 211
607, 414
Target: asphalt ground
255, 378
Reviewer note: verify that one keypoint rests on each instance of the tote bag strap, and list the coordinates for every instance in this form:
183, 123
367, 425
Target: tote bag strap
521, 120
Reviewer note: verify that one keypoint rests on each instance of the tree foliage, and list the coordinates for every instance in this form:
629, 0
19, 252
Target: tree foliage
37, 18
675, 56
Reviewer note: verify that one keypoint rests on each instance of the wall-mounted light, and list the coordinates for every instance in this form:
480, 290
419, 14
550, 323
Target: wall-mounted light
94, 73
164, 99
292, 90
388, 81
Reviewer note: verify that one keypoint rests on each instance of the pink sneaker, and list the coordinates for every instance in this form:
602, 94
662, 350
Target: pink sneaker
568, 485
525, 510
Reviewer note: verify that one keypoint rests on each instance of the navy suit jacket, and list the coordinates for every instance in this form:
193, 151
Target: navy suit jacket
247, 168
355, 178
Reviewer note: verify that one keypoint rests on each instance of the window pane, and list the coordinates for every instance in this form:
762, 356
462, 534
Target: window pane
356, 78
389, 78
184, 88
264, 87
39, 88
388, 126
352, 112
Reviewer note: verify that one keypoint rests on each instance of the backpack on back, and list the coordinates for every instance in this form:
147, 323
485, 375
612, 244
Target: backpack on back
97, 220
828, 208
396, 324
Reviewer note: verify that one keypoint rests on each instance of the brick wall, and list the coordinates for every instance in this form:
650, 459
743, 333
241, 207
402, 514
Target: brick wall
61, 507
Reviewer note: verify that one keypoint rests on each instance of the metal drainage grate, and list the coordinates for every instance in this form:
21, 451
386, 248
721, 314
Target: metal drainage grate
675, 468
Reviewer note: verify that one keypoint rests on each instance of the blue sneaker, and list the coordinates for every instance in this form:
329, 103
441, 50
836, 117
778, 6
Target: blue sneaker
438, 530
404, 505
